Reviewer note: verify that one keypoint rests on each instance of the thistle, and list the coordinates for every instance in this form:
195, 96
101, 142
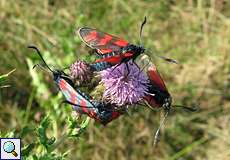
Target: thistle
124, 84
81, 72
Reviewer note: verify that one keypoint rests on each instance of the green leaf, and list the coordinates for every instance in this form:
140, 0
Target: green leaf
85, 123
27, 149
35, 157
43, 139
25, 130
74, 129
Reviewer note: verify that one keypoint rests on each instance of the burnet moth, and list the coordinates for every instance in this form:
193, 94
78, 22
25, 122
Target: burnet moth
81, 103
157, 95
111, 49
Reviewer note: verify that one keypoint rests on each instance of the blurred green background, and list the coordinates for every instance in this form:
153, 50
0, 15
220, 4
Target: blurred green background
195, 32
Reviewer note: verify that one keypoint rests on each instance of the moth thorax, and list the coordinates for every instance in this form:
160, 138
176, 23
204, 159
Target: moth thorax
56, 74
141, 49
167, 103
130, 48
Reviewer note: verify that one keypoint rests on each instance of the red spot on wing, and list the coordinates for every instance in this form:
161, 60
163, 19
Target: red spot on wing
62, 84
114, 115
121, 43
105, 40
155, 78
73, 98
116, 59
151, 101
128, 54
93, 115
113, 60
83, 106
91, 36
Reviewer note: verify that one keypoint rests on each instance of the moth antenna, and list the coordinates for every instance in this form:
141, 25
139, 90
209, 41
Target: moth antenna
141, 69
36, 65
164, 58
157, 134
40, 55
141, 29
169, 59
40, 66
191, 109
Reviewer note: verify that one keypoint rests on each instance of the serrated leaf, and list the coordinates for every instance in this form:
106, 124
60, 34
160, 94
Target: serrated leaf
42, 131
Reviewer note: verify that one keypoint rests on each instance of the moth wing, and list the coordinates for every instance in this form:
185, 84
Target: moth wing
102, 42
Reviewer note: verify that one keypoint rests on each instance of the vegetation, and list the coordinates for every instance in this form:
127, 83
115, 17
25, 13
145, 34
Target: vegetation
195, 32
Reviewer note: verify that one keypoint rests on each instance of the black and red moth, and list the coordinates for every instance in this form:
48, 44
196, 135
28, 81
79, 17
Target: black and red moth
158, 93
110, 49
81, 103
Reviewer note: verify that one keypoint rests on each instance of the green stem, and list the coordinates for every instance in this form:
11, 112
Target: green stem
28, 107
188, 148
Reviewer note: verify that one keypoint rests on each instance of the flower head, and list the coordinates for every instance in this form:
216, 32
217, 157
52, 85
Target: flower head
124, 84
81, 72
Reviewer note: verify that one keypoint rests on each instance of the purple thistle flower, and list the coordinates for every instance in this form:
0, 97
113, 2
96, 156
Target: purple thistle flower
81, 72
121, 87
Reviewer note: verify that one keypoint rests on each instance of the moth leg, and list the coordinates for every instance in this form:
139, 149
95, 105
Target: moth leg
116, 66
127, 68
